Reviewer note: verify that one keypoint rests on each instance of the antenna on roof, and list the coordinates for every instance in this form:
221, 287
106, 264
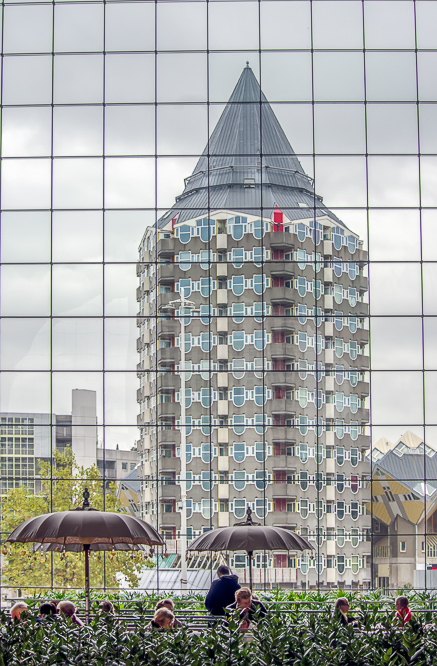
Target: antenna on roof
247, 63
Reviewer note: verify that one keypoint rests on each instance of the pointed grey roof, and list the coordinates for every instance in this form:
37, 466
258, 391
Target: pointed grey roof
248, 142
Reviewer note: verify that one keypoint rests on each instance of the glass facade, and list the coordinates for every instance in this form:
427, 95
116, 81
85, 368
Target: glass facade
217, 232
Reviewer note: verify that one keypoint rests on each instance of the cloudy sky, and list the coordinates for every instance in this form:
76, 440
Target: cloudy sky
117, 167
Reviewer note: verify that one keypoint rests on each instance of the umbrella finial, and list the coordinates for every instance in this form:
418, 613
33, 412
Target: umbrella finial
86, 497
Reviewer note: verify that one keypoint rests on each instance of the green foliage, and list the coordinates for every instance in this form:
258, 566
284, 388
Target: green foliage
279, 640
62, 487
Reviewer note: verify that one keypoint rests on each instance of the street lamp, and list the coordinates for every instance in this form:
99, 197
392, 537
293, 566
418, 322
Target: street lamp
183, 304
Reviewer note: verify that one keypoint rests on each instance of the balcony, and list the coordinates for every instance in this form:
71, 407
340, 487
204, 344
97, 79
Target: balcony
281, 295
280, 240
172, 437
281, 350
168, 327
286, 324
279, 268
172, 464
281, 434
169, 491
166, 247
168, 410
168, 355
168, 382
168, 273
282, 406
281, 378
167, 297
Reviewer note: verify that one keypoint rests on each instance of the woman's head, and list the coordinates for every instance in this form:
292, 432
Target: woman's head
243, 597
342, 605
163, 618
106, 607
165, 603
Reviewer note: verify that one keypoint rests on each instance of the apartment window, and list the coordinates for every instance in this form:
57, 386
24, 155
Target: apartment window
402, 546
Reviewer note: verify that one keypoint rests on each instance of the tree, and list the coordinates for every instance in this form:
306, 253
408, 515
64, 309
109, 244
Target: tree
62, 487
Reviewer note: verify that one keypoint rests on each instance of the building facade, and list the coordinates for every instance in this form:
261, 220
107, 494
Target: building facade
274, 339
404, 511
26, 439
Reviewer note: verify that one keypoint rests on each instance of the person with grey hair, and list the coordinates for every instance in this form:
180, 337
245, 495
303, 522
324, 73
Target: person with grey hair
17, 609
67, 609
222, 591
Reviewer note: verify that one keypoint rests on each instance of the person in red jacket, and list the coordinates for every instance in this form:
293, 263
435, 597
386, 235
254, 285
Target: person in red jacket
403, 613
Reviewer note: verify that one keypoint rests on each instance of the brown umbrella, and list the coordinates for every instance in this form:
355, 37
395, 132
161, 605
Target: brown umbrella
250, 536
85, 528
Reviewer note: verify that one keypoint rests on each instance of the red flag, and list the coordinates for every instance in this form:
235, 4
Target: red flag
278, 220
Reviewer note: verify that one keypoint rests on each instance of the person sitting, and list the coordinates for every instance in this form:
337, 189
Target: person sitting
46, 610
250, 609
67, 609
168, 603
222, 591
106, 607
341, 611
162, 620
17, 610
403, 613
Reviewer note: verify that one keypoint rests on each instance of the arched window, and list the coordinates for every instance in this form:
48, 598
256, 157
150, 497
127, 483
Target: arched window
259, 284
304, 509
303, 453
353, 403
239, 508
258, 229
355, 564
340, 455
340, 564
237, 226
185, 286
185, 260
185, 234
206, 452
237, 284
206, 228
187, 342
340, 483
238, 368
261, 507
301, 232
261, 479
207, 508
340, 509
353, 324
205, 425
207, 481
260, 451
355, 512
188, 398
239, 452
339, 401
339, 428
189, 453
339, 347
206, 342
339, 374
260, 395
259, 310
206, 286
302, 341
260, 423
302, 312
354, 483
205, 314
301, 286
354, 430
355, 537
258, 256
205, 259
238, 312
353, 349
239, 480
239, 424
238, 340
189, 508
303, 424
338, 321
303, 397
303, 476
259, 340
189, 480
238, 396
237, 257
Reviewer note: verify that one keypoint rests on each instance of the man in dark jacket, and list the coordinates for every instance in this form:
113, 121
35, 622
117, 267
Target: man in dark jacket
222, 591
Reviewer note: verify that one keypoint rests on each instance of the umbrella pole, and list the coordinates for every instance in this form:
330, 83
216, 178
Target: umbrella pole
86, 548
250, 553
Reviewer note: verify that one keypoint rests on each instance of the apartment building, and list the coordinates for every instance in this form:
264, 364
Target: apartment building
273, 365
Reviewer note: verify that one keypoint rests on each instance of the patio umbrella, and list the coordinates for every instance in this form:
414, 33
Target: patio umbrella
250, 536
85, 528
